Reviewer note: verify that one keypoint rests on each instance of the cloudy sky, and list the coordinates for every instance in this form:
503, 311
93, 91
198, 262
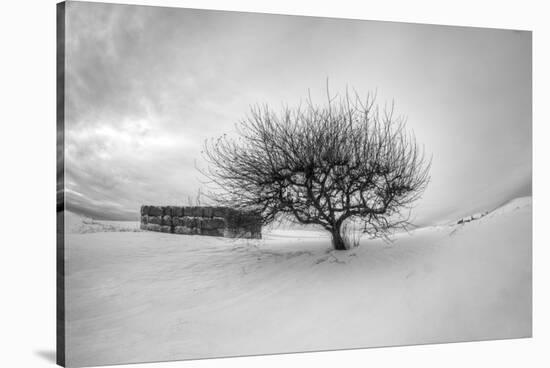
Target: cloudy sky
145, 86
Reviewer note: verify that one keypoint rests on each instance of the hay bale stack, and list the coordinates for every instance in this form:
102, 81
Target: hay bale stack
196, 220
153, 227
155, 211
154, 220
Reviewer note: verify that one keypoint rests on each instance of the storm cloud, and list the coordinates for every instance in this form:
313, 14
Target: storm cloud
145, 86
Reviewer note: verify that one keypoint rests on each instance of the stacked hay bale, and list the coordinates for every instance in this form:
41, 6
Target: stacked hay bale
194, 220
242, 225
151, 218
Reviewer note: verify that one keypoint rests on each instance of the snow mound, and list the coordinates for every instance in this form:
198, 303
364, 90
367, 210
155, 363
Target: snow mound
508, 207
521, 203
138, 297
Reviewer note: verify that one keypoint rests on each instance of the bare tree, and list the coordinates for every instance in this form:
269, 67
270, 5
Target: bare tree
346, 160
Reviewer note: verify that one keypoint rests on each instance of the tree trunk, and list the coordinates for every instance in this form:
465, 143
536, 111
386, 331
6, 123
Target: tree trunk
337, 240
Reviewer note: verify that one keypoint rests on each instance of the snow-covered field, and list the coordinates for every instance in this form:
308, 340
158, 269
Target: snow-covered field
141, 296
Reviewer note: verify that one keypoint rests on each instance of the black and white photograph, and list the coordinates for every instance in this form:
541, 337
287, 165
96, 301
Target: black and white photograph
239, 184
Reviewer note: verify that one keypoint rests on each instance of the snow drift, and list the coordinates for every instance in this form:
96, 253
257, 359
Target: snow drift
140, 296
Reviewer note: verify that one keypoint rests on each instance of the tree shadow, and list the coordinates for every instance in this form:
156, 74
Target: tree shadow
48, 355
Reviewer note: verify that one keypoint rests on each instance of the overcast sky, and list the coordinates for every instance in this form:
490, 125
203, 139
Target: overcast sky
145, 86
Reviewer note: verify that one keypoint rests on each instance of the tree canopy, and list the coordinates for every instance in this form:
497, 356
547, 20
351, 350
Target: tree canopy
346, 160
